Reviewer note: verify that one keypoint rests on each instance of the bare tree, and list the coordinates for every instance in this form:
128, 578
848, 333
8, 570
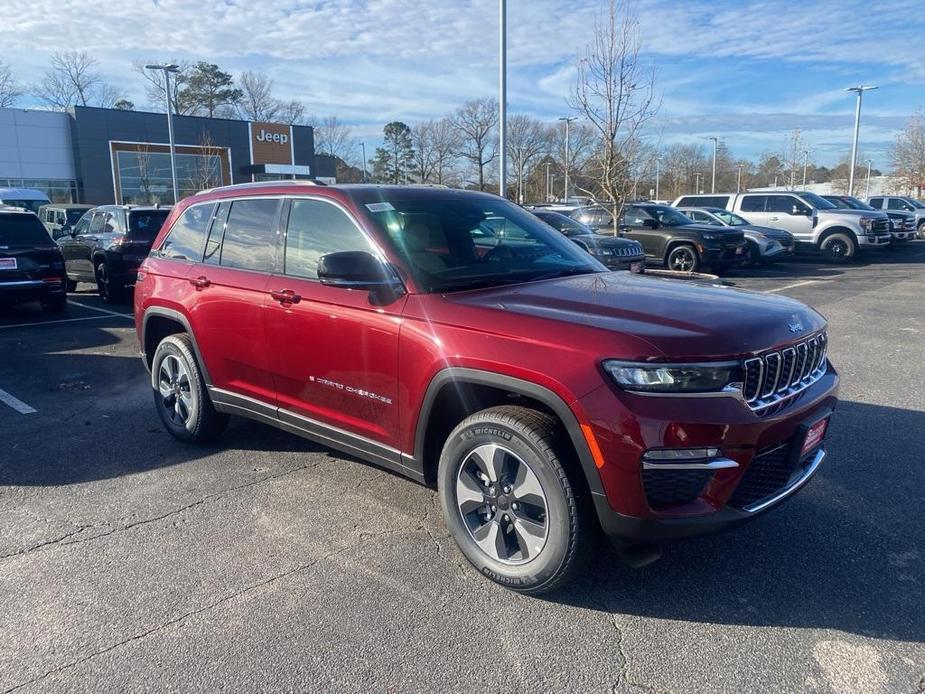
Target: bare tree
72, 80
527, 138
477, 123
793, 156
445, 144
581, 142
424, 160
10, 89
205, 174
257, 102
907, 155
292, 113
334, 137
155, 87
615, 93
679, 166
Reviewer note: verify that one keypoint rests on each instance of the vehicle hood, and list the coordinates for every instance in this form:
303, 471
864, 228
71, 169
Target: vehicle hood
681, 319
853, 213
604, 241
778, 234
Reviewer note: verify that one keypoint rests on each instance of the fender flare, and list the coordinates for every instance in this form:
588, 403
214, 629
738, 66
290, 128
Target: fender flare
553, 401
180, 318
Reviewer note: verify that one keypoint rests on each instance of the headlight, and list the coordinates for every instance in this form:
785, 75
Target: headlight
867, 223
711, 237
673, 378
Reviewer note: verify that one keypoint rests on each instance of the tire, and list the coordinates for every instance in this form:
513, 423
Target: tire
838, 248
70, 285
55, 304
180, 395
527, 487
752, 254
683, 258
111, 291
921, 231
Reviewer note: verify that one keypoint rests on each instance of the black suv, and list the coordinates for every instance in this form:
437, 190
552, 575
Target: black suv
31, 266
670, 237
614, 252
108, 244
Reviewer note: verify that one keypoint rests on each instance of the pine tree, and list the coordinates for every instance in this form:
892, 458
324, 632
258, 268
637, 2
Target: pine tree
394, 160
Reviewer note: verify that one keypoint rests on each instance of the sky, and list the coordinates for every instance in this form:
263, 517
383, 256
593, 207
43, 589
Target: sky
747, 71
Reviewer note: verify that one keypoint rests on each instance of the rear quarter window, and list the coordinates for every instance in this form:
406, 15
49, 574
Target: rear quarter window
754, 203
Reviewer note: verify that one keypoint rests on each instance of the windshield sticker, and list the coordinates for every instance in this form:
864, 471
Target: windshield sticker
380, 207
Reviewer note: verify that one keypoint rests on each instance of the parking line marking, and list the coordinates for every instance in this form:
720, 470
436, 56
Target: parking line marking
101, 310
52, 322
16, 403
792, 286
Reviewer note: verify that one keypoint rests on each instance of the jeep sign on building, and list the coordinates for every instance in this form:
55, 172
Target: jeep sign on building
104, 156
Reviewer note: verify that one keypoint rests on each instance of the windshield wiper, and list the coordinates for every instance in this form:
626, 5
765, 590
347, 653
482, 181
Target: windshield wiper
565, 272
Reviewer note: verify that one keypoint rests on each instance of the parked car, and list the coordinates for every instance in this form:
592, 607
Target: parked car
107, 245
902, 223
901, 203
26, 198
815, 223
540, 393
60, 218
613, 251
593, 216
31, 266
764, 244
670, 237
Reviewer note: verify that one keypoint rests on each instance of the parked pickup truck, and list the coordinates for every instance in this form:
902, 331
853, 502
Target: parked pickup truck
838, 234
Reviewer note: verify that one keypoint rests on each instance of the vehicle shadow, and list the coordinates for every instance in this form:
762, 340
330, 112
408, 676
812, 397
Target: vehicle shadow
846, 553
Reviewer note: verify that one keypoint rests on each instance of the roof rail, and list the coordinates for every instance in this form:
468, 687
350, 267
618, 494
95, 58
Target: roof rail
265, 184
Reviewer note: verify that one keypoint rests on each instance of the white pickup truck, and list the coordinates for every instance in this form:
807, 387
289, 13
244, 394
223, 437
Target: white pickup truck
838, 234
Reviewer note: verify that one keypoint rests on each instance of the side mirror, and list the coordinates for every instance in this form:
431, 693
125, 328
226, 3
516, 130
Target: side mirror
356, 270
60, 233
650, 223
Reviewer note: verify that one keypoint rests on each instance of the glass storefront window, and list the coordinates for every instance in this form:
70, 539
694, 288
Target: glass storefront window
57, 191
144, 177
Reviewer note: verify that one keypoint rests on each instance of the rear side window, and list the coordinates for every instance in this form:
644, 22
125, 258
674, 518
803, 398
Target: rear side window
249, 242
876, 203
703, 201
315, 229
188, 234
754, 203
146, 224
22, 230
781, 203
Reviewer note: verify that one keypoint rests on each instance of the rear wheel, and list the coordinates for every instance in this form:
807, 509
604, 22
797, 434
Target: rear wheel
111, 290
180, 393
838, 248
508, 501
683, 258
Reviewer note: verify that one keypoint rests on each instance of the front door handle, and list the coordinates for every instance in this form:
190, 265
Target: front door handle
773, 219
200, 282
285, 296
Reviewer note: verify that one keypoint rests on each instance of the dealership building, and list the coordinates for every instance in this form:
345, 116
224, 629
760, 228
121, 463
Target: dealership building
104, 156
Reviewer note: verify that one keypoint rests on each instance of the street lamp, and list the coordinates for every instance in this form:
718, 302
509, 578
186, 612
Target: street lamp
502, 99
167, 69
548, 188
860, 89
715, 141
805, 163
697, 178
739, 178
568, 121
363, 148
867, 193
656, 177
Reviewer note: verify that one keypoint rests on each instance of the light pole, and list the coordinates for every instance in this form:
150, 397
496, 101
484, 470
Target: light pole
739, 178
548, 185
167, 69
713, 184
805, 164
656, 177
860, 89
568, 121
697, 178
867, 192
502, 100
363, 148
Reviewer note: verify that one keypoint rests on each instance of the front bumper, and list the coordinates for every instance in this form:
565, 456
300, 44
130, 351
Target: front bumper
726, 497
613, 262
725, 253
902, 236
874, 241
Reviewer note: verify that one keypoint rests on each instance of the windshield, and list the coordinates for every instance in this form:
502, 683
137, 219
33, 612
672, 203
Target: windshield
915, 203
668, 216
146, 224
566, 225
466, 242
818, 202
730, 218
73, 216
855, 204
31, 205
22, 230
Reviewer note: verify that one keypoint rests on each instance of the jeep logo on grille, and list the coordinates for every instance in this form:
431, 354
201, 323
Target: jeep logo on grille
795, 326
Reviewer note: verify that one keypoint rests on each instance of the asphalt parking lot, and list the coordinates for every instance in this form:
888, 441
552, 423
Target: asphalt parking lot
129, 562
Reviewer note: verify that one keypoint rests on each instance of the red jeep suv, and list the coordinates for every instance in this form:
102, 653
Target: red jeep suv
540, 393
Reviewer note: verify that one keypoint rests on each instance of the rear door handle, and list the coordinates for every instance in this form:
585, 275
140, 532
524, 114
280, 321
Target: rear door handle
285, 296
200, 282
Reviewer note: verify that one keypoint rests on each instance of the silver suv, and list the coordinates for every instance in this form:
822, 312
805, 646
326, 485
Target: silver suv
902, 203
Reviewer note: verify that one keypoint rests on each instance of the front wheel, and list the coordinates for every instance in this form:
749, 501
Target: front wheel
921, 231
752, 254
683, 259
838, 248
508, 501
180, 393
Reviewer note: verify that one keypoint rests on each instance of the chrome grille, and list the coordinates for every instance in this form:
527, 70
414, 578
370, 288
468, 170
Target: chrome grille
881, 226
771, 378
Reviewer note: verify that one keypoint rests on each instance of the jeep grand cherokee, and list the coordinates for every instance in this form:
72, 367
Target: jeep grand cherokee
539, 392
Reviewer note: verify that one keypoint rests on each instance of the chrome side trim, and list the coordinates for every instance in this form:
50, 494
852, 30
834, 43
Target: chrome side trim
715, 464
787, 491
